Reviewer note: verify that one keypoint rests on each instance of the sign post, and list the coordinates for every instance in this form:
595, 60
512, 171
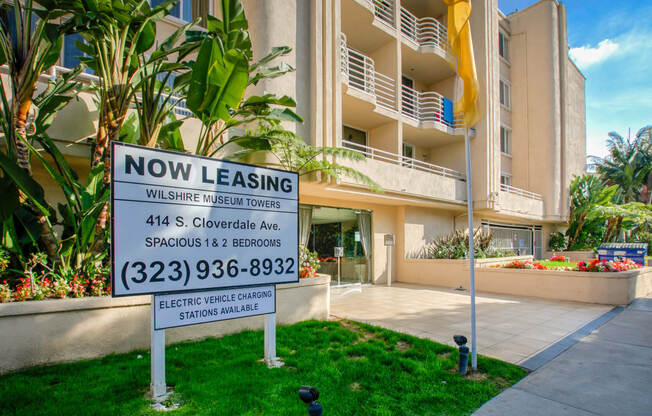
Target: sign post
389, 243
209, 238
339, 253
157, 362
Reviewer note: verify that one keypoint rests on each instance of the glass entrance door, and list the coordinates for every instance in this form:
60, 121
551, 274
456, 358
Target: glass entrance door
346, 228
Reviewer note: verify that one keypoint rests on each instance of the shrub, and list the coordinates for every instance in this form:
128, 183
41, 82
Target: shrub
61, 288
43, 288
77, 288
644, 237
309, 263
5, 292
598, 266
519, 264
558, 258
557, 241
23, 290
456, 246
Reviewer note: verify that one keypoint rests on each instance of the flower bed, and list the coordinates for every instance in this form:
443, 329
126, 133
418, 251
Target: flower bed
40, 281
592, 266
558, 258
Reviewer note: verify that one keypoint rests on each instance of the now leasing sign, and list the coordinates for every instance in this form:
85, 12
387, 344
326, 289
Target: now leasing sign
182, 223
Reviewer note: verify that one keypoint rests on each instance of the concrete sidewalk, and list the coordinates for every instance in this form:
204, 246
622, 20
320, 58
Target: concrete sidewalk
510, 328
609, 372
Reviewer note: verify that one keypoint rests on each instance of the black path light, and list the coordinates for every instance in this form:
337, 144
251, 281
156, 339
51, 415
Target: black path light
460, 340
309, 396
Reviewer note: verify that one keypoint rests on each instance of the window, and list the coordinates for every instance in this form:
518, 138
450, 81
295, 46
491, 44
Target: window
408, 150
409, 97
353, 138
71, 53
505, 140
187, 10
505, 94
506, 179
503, 45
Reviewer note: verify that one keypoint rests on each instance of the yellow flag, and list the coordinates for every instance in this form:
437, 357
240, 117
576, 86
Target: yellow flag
459, 38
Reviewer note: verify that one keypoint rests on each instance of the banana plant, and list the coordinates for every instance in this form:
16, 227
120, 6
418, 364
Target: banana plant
30, 43
116, 33
221, 74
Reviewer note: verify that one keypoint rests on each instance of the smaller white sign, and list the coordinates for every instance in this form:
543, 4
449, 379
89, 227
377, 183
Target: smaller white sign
339, 252
189, 308
389, 239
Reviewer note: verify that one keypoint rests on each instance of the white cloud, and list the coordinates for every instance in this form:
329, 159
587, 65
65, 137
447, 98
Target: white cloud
585, 56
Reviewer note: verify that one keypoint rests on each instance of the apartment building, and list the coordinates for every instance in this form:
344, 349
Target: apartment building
375, 76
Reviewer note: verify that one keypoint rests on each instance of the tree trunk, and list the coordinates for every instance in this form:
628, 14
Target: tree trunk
21, 110
20, 122
108, 130
580, 224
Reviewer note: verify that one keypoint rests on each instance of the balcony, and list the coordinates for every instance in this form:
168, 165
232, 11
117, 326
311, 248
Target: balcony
370, 23
424, 32
397, 173
424, 48
521, 192
431, 110
522, 202
367, 90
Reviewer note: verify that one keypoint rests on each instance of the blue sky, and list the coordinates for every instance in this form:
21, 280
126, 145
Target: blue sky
611, 42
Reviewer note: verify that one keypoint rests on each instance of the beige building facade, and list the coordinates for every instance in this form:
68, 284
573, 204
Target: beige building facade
375, 76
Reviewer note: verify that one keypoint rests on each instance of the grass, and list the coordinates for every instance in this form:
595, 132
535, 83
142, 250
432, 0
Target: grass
553, 264
358, 370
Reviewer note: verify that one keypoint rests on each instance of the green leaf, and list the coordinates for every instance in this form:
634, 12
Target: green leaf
130, 131
218, 82
169, 137
9, 201
146, 38
284, 114
25, 183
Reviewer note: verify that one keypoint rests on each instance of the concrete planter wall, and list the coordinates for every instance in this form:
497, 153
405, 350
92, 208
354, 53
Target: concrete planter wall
619, 288
49, 331
606, 288
444, 272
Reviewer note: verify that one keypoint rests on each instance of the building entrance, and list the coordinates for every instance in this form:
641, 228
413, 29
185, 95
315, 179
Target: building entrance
339, 227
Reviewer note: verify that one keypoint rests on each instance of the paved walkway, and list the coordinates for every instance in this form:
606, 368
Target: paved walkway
509, 328
608, 372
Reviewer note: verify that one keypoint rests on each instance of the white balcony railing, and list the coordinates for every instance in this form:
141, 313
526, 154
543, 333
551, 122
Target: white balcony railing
179, 104
427, 106
408, 162
519, 191
384, 11
361, 75
424, 31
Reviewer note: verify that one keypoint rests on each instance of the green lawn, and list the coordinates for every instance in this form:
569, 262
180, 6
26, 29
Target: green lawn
358, 370
553, 264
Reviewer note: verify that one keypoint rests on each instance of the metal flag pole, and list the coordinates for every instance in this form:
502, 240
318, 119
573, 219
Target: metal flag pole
469, 208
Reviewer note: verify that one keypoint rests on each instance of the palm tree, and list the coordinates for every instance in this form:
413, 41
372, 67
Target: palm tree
628, 165
644, 137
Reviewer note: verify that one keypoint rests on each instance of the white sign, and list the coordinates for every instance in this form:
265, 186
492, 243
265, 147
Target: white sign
183, 223
191, 308
338, 252
389, 239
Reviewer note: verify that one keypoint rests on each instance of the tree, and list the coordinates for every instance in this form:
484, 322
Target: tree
587, 193
30, 43
628, 165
